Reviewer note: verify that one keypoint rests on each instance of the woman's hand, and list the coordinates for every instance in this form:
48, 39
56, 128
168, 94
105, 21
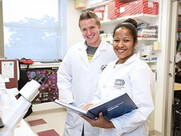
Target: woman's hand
100, 122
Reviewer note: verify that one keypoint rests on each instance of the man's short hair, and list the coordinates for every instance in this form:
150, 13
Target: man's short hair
89, 15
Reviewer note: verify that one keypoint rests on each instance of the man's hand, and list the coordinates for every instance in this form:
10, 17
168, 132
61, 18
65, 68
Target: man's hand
87, 106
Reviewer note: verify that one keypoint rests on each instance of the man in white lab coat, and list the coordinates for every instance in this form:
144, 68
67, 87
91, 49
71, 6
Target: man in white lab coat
80, 70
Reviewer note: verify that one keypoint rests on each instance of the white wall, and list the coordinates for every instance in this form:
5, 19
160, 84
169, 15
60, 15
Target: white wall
73, 31
165, 69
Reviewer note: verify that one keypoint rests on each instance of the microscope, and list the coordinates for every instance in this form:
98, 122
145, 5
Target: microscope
20, 106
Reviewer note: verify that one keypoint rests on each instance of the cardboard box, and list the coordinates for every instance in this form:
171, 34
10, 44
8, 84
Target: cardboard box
100, 12
114, 9
79, 4
139, 7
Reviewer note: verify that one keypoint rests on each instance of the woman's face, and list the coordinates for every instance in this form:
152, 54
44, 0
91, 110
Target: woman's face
123, 44
91, 32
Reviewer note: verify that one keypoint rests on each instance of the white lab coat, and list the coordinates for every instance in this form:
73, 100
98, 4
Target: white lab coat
135, 78
78, 82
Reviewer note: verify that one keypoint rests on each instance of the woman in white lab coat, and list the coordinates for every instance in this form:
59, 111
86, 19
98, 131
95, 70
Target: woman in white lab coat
129, 74
78, 74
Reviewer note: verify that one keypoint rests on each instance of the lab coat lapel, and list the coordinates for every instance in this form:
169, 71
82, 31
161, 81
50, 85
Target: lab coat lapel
98, 51
83, 54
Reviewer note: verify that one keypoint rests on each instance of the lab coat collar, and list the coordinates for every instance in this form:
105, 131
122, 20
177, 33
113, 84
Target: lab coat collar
83, 48
129, 60
102, 45
101, 48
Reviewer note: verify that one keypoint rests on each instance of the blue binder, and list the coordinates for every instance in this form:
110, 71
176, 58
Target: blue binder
111, 109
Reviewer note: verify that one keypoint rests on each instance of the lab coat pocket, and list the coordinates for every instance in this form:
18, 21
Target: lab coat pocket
71, 116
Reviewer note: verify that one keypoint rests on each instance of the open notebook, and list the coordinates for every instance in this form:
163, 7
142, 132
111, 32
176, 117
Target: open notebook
110, 109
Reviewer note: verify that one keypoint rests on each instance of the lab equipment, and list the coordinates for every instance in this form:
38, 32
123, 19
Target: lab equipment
20, 107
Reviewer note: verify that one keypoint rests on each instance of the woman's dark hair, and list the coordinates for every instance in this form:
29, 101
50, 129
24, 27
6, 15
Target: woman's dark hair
131, 24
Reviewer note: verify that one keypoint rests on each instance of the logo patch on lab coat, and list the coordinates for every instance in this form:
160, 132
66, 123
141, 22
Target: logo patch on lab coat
103, 67
119, 82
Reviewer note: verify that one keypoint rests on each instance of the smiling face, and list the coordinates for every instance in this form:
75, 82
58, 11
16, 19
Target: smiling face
90, 32
123, 44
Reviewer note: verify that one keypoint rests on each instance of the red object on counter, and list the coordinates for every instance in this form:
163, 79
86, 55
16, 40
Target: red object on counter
26, 61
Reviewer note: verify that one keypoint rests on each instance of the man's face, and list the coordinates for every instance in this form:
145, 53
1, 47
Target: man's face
90, 32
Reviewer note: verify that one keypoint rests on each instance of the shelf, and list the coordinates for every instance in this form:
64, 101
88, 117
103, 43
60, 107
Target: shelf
139, 39
143, 17
150, 61
147, 39
42, 65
